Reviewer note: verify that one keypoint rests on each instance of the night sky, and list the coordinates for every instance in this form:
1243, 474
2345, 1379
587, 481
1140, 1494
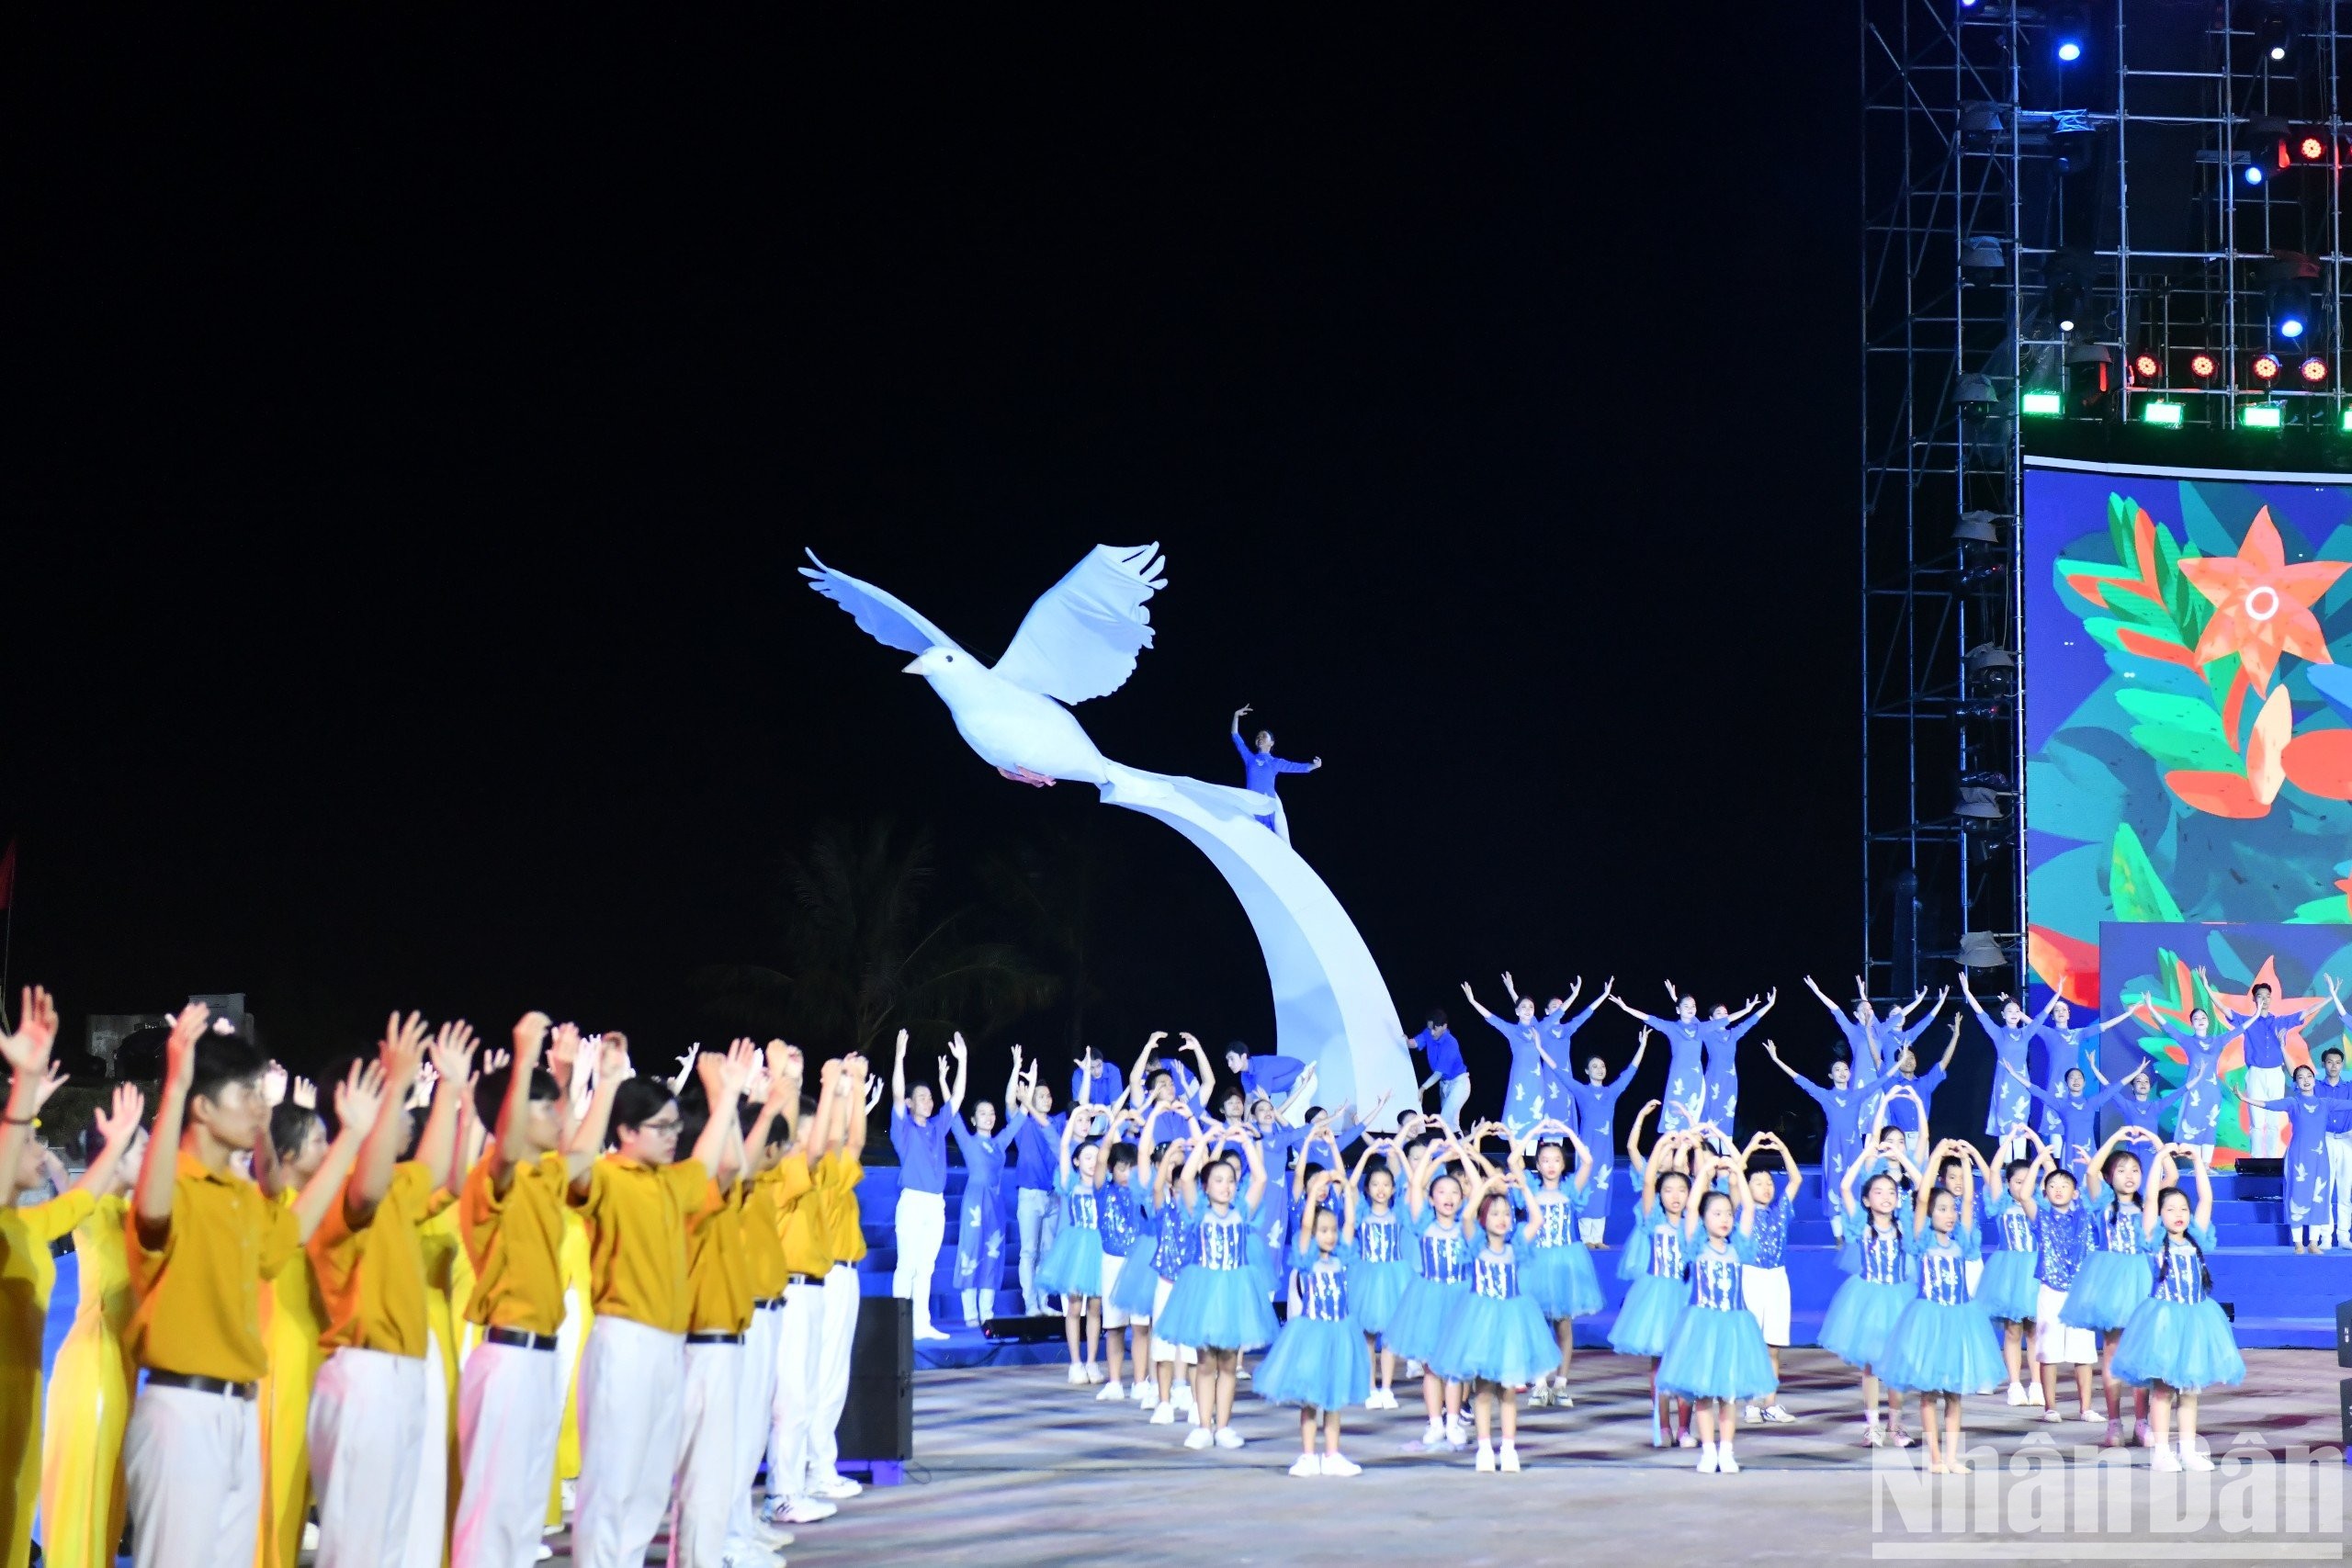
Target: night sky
418, 424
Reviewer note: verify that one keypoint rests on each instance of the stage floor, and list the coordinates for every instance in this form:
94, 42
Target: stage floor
1014, 1466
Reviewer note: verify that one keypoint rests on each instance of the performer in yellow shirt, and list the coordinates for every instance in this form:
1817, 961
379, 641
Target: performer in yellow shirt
772, 1126
89, 1389
808, 1255
836, 1197
292, 1320
28, 1271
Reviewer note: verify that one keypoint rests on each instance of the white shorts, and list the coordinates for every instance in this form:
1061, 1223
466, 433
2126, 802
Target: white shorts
2061, 1345
1975, 1270
1112, 1317
1767, 1290
1163, 1349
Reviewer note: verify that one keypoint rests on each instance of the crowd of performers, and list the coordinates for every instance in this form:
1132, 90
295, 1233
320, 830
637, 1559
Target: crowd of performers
1168, 1229
452, 1300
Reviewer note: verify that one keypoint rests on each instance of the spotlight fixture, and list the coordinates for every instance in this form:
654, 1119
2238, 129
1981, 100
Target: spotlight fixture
1976, 395
2292, 310
2314, 370
1982, 949
2266, 367
2202, 367
2268, 148
1981, 254
2070, 31
2146, 367
2043, 404
2262, 416
2168, 414
2310, 148
2273, 29
1978, 528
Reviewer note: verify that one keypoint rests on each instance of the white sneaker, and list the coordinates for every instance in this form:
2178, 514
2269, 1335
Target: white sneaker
802, 1511
1163, 1414
546, 1553
1183, 1399
1093, 1373
1509, 1460
1199, 1437
1108, 1393
1487, 1458
311, 1534
1435, 1436
2164, 1458
835, 1487
1226, 1438
1457, 1436
2051, 1414
1707, 1460
1686, 1441
1753, 1416
2143, 1435
1339, 1464
2191, 1459
2033, 1392
1307, 1464
1539, 1396
929, 1334
1779, 1416
1724, 1463
1077, 1374
1147, 1391
1412, 1368
2016, 1394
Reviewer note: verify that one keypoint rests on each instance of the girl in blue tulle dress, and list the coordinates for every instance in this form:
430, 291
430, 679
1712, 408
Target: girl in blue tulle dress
1218, 1306
1877, 1260
2116, 1275
1556, 1267
1652, 1262
1072, 1267
1943, 1347
1496, 1342
2008, 1291
1134, 1295
2178, 1342
1160, 1197
1381, 1269
1717, 1355
1433, 1199
1320, 1361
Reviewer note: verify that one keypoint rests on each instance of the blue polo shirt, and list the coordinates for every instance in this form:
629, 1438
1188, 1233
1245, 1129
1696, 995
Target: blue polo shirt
1444, 1051
923, 1150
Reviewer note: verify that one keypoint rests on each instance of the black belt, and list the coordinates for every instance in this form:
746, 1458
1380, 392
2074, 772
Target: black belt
714, 1339
522, 1340
769, 1304
195, 1384
804, 1280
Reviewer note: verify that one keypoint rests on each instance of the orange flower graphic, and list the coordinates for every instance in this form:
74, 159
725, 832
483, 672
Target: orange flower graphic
2261, 604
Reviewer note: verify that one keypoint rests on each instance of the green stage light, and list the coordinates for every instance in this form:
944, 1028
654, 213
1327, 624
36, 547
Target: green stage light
2262, 416
2042, 403
2347, 420
2162, 413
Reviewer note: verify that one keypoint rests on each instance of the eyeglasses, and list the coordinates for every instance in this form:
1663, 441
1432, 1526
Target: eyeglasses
657, 1125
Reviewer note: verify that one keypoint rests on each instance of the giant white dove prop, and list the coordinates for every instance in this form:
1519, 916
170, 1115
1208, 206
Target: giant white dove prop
1077, 642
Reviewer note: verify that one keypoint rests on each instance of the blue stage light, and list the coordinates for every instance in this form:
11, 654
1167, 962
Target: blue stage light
2070, 50
2290, 326
2253, 172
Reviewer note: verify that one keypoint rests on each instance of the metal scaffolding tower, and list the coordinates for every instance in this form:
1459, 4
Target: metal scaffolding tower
2077, 220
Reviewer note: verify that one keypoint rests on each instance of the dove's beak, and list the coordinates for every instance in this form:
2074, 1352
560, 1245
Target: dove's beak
913, 669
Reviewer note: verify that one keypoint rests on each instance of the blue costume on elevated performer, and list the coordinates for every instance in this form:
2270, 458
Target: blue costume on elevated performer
2077, 1123
2200, 1079
2013, 1052
1260, 769
1523, 1101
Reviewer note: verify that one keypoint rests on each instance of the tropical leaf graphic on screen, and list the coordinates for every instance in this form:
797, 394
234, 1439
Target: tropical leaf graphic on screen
2232, 621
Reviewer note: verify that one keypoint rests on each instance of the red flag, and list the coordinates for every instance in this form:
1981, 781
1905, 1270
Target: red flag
8, 875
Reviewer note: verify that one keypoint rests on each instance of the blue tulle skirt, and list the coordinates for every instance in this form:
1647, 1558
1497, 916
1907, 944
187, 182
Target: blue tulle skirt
1647, 1317
1861, 1317
1717, 1355
1942, 1347
2185, 1345
1260, 1259
1136, 1290
1562, 1280
1419, 1319
2008, 1291
1496, 1340
2107, 1289
1322, 1363
1376, 1289
1073, 1265
1217, 1309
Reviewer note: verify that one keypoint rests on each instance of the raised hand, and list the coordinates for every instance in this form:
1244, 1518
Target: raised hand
37, 1030
360, 1098
305, 1094
955, 1047
452, 1050
402, 1052
52, 1078
611, 1059
563, 1048
273, 1083
119, 1128
180, 1049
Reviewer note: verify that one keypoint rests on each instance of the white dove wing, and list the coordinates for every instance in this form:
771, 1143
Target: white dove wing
1081, 638
880, 615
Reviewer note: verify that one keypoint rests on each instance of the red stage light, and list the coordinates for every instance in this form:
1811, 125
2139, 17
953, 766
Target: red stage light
2312, 149
2265, 366
2202, 367
2314, 370
2145, 366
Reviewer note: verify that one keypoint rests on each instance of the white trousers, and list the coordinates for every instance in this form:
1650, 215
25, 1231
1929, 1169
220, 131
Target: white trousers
366, 1434
1592, 1231
2339, 1176
838, 1328
703, 1488
794, 1412
428, 1515
1453, 1094
510, 1414
921, 1225
2269, 1126
629, 1377
192, 1469
1040, 1214
754, 1398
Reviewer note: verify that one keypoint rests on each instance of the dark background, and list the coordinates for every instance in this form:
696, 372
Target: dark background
419, 418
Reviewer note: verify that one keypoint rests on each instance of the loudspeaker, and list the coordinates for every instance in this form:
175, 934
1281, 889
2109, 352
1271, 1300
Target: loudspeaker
2343, 1334
2343, 1402
1035, 1330
879, 1418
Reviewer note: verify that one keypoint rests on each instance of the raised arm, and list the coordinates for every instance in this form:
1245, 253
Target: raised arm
956, 1049
402, 1056
159, 1177
117, 1129
588, 1135
452, 1051
899, 1076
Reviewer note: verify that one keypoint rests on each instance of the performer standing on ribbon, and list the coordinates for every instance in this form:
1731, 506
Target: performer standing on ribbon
2266, 1060
1262, 768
